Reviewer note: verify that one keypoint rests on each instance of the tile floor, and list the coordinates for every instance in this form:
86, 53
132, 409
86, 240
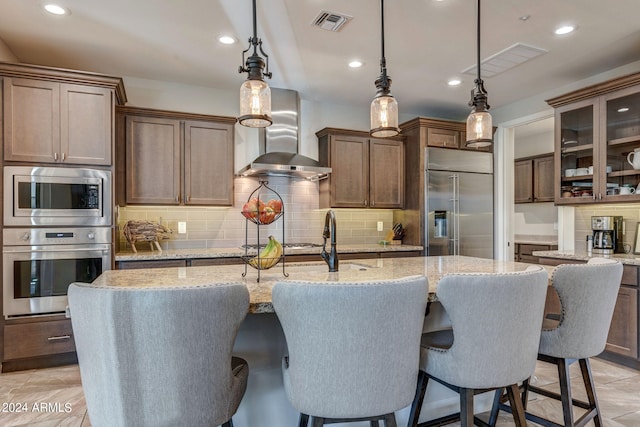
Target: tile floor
54, 398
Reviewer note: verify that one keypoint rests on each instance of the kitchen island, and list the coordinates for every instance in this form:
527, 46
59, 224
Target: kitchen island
261, 341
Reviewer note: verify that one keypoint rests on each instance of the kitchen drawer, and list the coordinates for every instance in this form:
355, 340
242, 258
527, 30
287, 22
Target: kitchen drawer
526, 249
629, 276
38, 339
126, 265
203, 262
558, 261
529, 258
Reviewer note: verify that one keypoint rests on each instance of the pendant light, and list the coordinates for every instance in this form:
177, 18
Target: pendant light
384, 107
479, 126
255, 95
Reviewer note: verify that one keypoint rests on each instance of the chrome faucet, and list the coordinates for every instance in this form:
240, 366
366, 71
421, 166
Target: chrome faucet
332, 258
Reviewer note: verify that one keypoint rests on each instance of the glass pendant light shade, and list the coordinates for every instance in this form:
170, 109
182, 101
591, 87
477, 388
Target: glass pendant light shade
384, 117
255, 104
479, 129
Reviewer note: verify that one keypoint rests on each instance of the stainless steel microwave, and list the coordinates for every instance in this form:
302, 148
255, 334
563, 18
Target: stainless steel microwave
48, 196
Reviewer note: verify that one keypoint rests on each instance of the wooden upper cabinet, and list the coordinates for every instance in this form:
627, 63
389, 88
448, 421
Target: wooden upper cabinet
51, 122
153, 160
31, 120
365, 172
350, 172
169, 159
534, 179
443, 138
208, 152
543, 184
523, 181
86, 124
386, 173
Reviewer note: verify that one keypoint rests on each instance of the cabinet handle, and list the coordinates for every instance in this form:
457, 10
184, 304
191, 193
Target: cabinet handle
600, 196
365, 202
177, 199
55, 156
373, 203
59, 338
63, 156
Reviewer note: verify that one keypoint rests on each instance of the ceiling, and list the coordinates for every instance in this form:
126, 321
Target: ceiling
427, 42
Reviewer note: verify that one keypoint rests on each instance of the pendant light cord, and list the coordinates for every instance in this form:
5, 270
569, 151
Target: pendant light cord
255, 29
478, 41
383, 62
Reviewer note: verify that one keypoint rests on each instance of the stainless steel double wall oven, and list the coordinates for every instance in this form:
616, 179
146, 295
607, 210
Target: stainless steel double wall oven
57, 230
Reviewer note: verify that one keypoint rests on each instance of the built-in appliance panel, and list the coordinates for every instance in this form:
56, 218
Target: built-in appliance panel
48, 196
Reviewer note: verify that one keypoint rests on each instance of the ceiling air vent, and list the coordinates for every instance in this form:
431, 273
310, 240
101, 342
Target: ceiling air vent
330, 21
506, 59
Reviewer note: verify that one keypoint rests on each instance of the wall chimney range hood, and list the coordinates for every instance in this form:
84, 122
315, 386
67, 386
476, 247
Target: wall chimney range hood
279, 143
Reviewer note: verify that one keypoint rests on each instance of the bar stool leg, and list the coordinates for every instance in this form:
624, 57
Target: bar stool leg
517, 410
416, 406
317, 421
565, 391
585, 368
466, 407
304, 420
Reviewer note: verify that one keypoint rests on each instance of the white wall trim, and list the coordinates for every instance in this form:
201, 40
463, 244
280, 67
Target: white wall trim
503, 182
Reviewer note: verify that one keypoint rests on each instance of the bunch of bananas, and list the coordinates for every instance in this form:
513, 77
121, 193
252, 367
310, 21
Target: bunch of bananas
269, 256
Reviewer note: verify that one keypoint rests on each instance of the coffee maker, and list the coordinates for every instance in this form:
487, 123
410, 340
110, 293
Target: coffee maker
607, 234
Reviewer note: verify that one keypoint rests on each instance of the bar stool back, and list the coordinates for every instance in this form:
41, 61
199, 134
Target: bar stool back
588, 294
353, 348
496, 321
159, 356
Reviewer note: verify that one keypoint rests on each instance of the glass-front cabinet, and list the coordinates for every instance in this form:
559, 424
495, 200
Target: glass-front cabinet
598, 144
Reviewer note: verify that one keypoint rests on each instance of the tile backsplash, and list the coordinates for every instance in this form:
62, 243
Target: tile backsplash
583, 214
224, 227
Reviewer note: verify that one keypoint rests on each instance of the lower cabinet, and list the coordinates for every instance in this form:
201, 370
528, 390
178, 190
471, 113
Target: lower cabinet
524, 252
37, 343
623, 333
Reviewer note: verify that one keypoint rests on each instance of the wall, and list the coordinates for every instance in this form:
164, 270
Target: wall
534, 219
5, 53
211, 227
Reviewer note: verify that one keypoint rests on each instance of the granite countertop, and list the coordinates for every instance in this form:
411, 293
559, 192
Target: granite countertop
236, 252
629, 259
530, 239
349, 271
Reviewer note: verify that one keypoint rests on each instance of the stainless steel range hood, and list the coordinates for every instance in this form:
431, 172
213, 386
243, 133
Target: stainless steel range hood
279, 143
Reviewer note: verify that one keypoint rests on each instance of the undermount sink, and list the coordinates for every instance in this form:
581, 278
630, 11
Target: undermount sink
322, 268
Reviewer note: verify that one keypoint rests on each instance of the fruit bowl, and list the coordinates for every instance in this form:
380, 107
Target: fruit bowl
259, 212
260, 263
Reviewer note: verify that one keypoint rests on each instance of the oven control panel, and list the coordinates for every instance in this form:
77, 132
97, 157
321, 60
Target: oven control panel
56, 236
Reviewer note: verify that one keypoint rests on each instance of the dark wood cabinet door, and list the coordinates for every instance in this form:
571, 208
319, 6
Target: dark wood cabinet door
86, 124
623, 334
350, 172
523, 181
208, 153
386, 173
31, 120
443, 138
543, 179
153, 159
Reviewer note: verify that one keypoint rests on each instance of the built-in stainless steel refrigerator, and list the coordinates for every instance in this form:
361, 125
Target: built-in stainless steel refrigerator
459, 202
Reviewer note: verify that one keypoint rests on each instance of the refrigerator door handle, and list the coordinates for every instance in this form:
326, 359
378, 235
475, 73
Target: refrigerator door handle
454, 241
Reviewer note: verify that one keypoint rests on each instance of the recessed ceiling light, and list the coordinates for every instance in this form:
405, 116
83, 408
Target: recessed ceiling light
454, 82
356, 64
226, 39
524, 18
565, 29
56, 9
623, 109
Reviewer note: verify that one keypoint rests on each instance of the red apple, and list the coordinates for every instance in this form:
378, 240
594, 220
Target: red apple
275, 204
252, 208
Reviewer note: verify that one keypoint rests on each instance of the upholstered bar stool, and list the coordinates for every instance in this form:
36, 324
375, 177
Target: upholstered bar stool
496, 321
353, 348
161, 356
588, 294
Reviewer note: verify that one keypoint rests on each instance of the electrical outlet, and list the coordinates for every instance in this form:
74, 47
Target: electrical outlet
182, 227
380, 226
